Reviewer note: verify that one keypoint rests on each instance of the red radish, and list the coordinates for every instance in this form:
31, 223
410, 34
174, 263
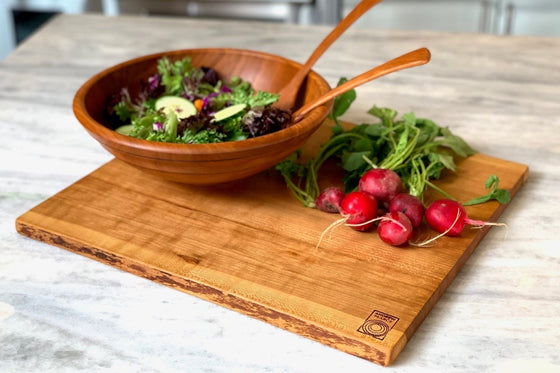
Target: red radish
359, 207
395, 228
382, 183
410, 205
450, 217
329, 200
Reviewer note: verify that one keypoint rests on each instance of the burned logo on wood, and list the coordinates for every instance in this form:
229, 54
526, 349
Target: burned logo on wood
378, 324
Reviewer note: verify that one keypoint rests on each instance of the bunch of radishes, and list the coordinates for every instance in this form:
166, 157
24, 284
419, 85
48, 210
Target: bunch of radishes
381, 189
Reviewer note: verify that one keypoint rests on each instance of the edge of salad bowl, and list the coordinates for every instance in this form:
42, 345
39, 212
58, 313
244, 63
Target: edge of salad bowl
210, 163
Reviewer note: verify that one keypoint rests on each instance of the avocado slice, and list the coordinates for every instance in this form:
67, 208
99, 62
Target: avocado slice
228, 112
125, 130
182, 107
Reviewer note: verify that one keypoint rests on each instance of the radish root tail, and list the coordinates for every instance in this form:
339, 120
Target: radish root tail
422, 244
477, 224
364, 223
481, 224
330, 228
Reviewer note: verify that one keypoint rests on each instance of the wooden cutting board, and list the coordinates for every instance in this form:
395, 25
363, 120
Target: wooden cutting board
251, 247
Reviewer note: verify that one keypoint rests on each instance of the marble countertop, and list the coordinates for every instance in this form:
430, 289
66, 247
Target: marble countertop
61, 312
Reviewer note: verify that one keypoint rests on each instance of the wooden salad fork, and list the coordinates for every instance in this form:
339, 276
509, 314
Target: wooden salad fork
289, 92
417, 57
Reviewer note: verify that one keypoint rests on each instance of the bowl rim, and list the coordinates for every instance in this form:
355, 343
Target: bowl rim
109, 136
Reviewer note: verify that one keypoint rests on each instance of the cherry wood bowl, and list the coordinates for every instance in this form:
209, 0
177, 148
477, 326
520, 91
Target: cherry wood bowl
202, 164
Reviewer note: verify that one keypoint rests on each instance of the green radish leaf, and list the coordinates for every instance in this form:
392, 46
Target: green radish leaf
355, 160
373, 130
403, 141
415, 187
343, 101
409, 119
416, 148
428, 131
351, 180
492, 182
435, 166
457, 144
500, 195
337, 129
446, 160
363, 145
386, 115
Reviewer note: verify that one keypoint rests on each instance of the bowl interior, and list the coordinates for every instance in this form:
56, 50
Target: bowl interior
202, 163
265, 72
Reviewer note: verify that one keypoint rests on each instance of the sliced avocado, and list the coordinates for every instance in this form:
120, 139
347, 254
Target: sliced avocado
182, 107
229, 111
125, 130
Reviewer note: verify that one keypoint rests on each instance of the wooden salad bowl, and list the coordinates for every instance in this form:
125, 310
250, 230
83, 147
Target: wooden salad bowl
202, 164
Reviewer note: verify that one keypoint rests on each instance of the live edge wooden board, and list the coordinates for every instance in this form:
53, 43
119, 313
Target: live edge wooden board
251, 247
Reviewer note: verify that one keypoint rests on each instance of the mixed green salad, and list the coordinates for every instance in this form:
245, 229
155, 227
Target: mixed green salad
185, 104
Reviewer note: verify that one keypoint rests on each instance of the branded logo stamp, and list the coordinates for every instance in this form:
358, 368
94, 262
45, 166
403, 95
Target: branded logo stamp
378, 324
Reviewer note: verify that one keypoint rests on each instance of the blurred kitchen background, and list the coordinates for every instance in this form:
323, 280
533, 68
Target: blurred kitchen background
20, 18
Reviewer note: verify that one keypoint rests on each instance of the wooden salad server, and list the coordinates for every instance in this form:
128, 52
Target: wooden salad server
289, 92
415, 58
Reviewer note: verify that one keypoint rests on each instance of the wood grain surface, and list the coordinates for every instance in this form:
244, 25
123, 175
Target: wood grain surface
251, 247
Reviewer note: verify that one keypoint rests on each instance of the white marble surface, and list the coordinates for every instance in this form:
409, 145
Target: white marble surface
60, 312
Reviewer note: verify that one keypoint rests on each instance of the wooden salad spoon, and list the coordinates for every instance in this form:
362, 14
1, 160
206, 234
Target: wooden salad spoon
288, 93
415, 58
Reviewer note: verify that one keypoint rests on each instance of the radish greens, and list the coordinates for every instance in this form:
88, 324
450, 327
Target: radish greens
417, 149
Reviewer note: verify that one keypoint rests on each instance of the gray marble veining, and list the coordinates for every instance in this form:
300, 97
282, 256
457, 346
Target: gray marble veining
60, 312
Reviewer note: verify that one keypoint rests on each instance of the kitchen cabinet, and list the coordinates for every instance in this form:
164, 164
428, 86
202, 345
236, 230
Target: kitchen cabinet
444, 15
517, 17
291, 11
7, 7
271, 10
530, 17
